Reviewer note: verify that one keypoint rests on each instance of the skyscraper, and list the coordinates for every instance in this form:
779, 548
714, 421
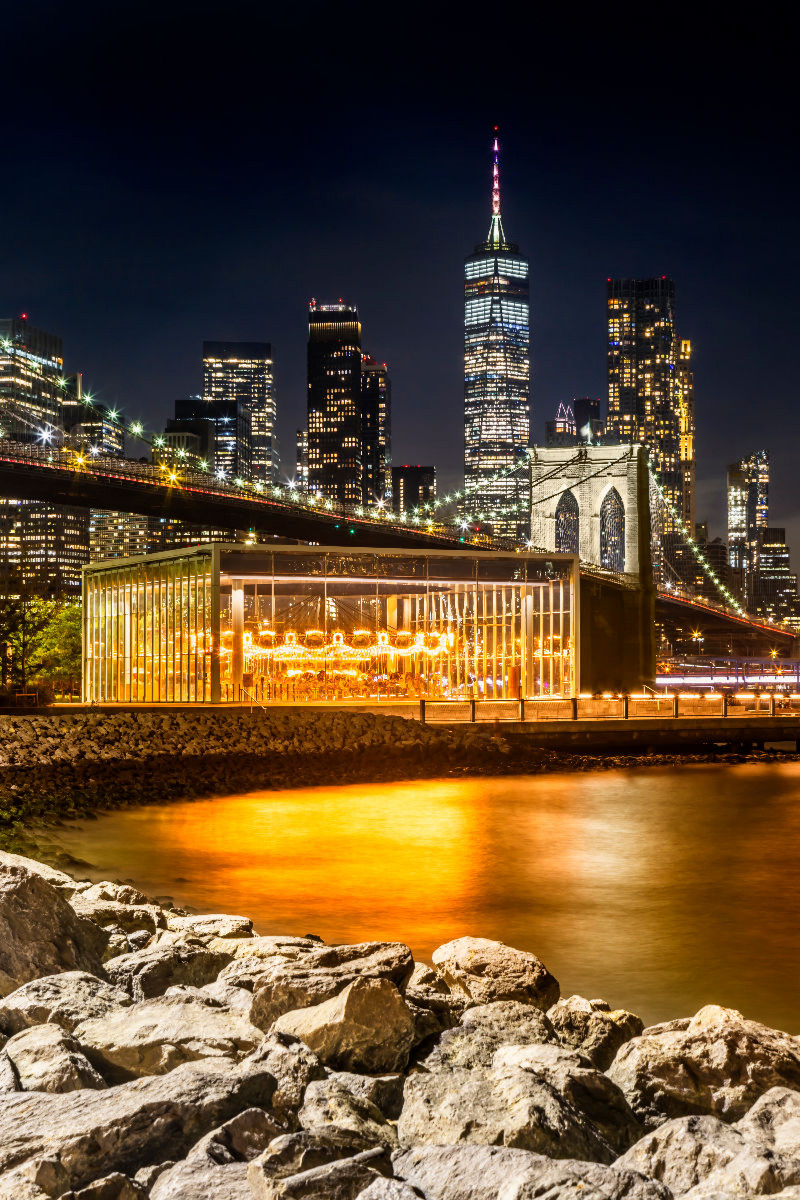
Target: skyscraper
748, 515
224, 430
335, 460
412, 485
31, 382
376, 430
240, 374
42, 545
496, 374
650, 385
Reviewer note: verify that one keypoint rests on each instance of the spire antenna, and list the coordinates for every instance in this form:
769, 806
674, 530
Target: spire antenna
496, 178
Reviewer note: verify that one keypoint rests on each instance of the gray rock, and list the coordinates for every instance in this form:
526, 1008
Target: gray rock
216, 1167
428, 995
384, 1091
497, 1108
341, 1180
255, 957
197, 1180
684, 1151
294, 1066
211, 925
483, 1030
241, 1139
578, 1083
318, 975
8, 1076
388, 1189
293, 1153
483, 971
773, 1123
154, 1036
751, 1173
109, 914
64, 1000
367, 1027
237, 998
148, 973
119, 893
40, 934
591, 1027
130, 1126
331, 1110
112, 1187
499, 1173
719, 1063
57, 879
48, 1059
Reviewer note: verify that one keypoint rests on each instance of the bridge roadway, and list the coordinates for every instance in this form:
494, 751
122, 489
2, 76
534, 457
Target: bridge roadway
30, 473
124, 485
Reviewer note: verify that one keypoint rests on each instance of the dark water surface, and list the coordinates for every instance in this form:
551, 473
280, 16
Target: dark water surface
660, 890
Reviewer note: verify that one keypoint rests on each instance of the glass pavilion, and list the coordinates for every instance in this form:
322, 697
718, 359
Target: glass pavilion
218, 622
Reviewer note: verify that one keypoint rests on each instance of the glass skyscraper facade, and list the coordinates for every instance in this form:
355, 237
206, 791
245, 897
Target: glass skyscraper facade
496, 376
335, 435
237, 376
43, 546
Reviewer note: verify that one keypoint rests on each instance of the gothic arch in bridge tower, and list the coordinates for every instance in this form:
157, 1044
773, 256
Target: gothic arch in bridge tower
612, 531
567, 518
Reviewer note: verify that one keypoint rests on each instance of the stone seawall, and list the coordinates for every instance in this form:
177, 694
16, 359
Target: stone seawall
65, 764
149, 1053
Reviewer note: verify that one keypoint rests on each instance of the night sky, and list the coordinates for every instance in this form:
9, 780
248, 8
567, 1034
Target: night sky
172, 173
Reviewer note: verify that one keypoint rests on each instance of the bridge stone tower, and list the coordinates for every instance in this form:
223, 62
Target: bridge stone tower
595, 501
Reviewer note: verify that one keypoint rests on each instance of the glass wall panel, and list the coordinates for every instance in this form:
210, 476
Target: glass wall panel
317, 626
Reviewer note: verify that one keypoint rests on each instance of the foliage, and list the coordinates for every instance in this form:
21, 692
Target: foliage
40, 638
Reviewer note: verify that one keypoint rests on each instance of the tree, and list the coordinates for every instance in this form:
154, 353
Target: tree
55, 651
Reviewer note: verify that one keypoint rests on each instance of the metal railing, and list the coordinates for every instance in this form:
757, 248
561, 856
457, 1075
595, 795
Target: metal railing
610, 708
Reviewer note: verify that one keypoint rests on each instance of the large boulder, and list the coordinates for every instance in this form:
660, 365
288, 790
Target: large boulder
593, 1028
332, 1110
119, 893
156, 1035
148, 973
294, 1066
40, 933
207, 926
367, 1027
483, 1030
216, 1167
319, 974
716, 1063
491, 1172
343, 1179
130, 1126
110, 914
497, 1107
48, 1059
64, 1000
57, 879
482, 971
586, 1089
702, 1158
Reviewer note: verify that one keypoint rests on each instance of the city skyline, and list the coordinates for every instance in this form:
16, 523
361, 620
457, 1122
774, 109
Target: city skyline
134, 251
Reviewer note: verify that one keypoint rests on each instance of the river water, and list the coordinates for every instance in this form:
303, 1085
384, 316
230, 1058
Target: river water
659, 890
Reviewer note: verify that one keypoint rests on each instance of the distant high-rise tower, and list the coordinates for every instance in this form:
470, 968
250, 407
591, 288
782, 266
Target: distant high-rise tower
240, 373
496, 375
376, 430
748, 514
335, 463
650, 387
42, 545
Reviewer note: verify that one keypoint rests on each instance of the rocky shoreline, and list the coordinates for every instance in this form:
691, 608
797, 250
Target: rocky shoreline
55, 767
149, 1052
